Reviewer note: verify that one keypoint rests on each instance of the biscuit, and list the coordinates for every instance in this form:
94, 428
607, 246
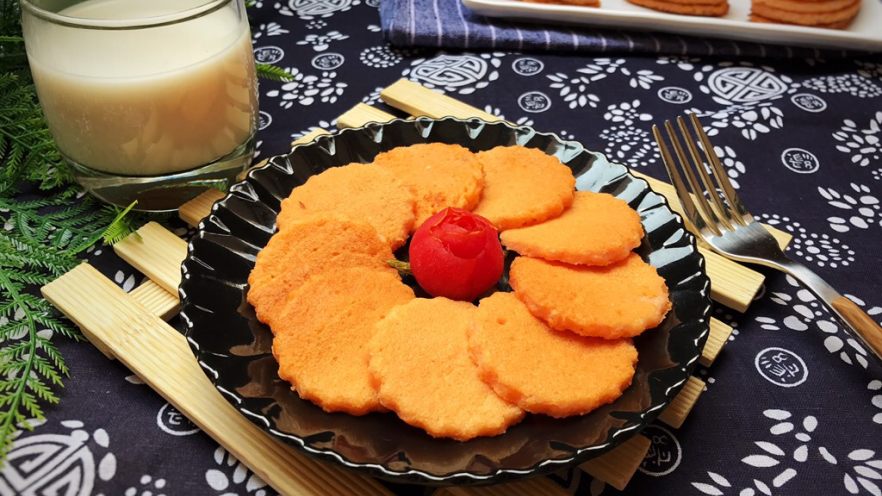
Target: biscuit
358, 191
697, 2
322, 335
307, 248
420, 364
439, 176
833, 17
616, 301
835, 25
583, 3
712, 10
597, 229
571, 375
523, 186
805, 6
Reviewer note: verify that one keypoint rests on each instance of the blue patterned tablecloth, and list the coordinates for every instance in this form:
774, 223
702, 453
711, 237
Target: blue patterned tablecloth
793, 405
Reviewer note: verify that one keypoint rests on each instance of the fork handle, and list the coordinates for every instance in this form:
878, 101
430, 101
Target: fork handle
860, 324
864, 326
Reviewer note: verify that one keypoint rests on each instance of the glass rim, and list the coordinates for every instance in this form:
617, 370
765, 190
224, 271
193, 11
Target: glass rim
139, 23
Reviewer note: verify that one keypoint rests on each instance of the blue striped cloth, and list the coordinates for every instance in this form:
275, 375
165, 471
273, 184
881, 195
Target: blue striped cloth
449, 24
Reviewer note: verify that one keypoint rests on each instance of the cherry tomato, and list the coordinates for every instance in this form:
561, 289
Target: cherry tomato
456, 254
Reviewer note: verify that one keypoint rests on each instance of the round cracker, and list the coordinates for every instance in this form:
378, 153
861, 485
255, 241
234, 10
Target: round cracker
571, 375
583, 3
323, 332
597, 229
843, 15
358, 191
717, 10
834, 25
523, 186
807, 7
616, 301
439, 176
307, 248
421, 366
698, 2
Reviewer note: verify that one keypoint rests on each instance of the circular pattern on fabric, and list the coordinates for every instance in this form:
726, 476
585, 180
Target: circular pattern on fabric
327, 61
800, 161
534, 102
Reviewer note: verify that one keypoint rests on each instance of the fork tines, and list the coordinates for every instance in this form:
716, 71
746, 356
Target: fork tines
713, 212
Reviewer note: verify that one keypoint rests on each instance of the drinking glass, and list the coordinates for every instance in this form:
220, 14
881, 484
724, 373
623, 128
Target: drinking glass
147, 100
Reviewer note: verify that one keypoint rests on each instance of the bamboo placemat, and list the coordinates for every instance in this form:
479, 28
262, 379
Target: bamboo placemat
131, 328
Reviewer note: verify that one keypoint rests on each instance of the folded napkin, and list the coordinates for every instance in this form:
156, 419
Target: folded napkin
448, 23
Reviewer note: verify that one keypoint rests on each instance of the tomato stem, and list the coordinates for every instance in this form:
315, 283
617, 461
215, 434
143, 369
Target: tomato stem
403, 268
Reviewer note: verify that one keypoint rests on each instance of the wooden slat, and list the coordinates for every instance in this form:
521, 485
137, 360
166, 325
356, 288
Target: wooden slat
157, 253
716, 339
193, 211
732, 284
617, 467
537, 486
418, 100
361, 114
677, 411
156, 300
160, 356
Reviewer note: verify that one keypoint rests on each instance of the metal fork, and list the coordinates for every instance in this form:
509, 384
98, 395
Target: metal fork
726, 225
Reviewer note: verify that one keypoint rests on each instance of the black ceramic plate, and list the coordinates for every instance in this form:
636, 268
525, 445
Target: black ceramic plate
233, 348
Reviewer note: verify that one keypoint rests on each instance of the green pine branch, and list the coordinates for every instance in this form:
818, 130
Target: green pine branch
272, 72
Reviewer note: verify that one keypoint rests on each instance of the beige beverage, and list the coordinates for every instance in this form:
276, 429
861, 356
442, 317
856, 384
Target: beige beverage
145, 101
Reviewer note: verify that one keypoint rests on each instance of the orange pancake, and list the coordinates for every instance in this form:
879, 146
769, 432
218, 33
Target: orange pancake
703, 9
359, 191
523, 186
306, 248
616, 301
438, 174
421, 366
832, 25
597, 229
542, 370
841, 16
323, 331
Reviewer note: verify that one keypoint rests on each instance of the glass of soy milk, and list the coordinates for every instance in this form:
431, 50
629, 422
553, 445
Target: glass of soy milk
148, 100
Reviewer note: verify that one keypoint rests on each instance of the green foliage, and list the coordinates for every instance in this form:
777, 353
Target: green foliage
12, 53
39, 241
27, 150
272, 72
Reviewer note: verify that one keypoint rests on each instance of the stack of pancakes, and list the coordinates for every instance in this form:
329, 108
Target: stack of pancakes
713, 8
817, 13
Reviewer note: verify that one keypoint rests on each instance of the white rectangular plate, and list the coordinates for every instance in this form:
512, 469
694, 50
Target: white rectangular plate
865, 33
